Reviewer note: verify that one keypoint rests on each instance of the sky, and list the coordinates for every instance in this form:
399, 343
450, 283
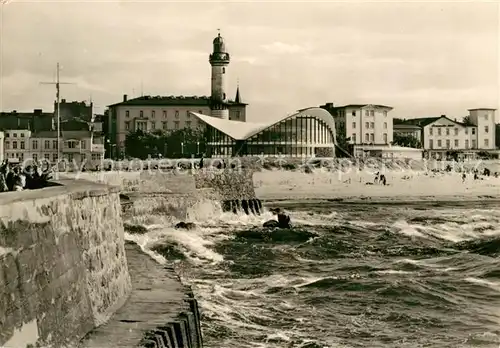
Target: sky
422, 58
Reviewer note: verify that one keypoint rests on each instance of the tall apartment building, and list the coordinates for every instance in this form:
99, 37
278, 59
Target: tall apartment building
440, 135
363, 125
169, 113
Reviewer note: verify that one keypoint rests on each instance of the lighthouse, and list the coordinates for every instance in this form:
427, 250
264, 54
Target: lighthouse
219, 60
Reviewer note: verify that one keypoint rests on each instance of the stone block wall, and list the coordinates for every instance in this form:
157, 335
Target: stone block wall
229, 184
63, 267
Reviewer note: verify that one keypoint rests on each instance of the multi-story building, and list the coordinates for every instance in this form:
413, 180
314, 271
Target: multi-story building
79, 146
170, 113
441, 135
362, 125
408, 130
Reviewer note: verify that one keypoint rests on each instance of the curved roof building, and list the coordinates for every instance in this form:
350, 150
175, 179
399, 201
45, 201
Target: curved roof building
308, 132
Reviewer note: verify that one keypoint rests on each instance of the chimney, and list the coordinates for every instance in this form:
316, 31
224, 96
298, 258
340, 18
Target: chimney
37, 112
443, 115
63, 101
14, 111
124, 97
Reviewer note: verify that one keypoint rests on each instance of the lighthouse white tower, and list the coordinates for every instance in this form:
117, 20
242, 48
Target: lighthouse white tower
219, 60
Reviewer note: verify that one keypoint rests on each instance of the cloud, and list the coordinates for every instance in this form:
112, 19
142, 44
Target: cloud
283, 48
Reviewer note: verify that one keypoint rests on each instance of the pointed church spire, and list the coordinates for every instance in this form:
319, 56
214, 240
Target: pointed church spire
238, 98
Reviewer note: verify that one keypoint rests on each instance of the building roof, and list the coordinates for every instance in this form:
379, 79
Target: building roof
244, 130
405, 126
171, 101
425, 121
390, 148
363, 105
480, 109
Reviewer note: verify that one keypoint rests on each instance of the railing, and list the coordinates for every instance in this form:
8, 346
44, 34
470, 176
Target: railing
97, 148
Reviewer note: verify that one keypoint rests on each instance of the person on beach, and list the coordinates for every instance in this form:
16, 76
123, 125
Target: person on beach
464, 176
3, 177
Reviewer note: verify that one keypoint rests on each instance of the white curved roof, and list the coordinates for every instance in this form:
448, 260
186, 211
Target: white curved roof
244, 130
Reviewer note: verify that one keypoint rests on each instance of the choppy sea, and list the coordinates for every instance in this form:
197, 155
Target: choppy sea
346, 275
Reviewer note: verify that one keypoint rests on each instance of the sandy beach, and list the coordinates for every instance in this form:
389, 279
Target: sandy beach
356, 185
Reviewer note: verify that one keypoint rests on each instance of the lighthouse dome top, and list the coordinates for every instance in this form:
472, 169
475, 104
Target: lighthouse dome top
219, 45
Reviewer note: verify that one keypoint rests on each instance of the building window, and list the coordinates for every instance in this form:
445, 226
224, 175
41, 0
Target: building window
164, 125
54, 157
152, 113
176, 113
439, 131
141, 113
83, 144
385, 113
54, 144
473, 143
456, 131
35, 157
367, 137
71, 144
486, 129
176, 124
34, 145
456, 143
22, 145
238, 114
7, 145
372, 125
153, 125
188, 124
223, 70
431, 144
447, 131
354, 125
46, 144
466, 143
367, 113
127, 125
353, 138
372, 113
430, 130
127, 113
164, 114
367, 125
486, 142
47, 156
70, 157
372, 137
385, 138
354, 113
439, 143
486, 117
15, 135
473, 131
385, 125
22, 135
14, 144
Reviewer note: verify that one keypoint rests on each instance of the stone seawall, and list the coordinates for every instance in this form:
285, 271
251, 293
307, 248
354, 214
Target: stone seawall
177, 193
160, 312
63, 268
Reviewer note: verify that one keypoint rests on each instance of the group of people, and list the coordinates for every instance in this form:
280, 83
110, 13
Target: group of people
18, 178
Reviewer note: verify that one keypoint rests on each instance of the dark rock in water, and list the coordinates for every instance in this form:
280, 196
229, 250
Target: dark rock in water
271, 223
277, 235
185, 225
135, 229
169, 251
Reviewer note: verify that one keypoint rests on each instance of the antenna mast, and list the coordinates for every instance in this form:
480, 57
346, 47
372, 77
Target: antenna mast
58, 111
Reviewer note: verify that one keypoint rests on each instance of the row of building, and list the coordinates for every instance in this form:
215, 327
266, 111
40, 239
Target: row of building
33, 135
357, 129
